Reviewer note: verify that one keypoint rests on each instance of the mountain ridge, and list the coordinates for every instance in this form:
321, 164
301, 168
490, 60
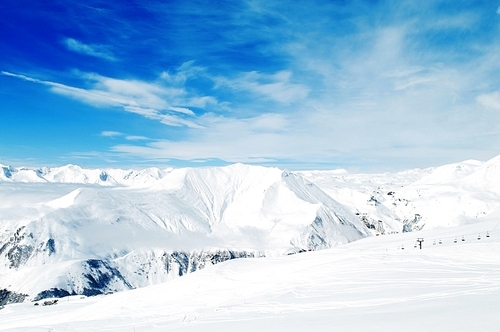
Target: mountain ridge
88, 229
87, 225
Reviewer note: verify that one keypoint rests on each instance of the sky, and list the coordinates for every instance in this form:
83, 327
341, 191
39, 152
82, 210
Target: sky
367, 86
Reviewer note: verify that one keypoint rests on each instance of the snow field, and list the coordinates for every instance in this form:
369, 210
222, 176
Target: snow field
380, 283
367, 285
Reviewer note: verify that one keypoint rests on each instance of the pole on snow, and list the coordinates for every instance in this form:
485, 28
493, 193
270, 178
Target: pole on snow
420, 240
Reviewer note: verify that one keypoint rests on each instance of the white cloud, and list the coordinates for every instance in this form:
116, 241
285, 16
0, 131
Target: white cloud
98, 51
490, 100
235, 140
23, 77
149, 100
498, 10
458, 21
113, 134
166, 119
202, 102
185, 71
136, 138
277, 87
138, 93
109, 133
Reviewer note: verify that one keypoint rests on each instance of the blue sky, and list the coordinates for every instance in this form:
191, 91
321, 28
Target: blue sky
362, 85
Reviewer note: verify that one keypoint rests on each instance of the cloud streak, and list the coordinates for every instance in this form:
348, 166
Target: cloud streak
277, 87
109, 133
145, 99
98, 51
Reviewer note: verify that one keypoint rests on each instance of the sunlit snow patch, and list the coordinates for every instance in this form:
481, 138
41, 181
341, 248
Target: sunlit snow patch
65, 201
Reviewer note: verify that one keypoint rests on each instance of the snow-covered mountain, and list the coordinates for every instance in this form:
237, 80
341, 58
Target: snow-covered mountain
73, 231
76, 174
69, 230
445, 196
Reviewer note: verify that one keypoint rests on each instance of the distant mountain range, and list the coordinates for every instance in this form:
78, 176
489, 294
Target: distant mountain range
69, 230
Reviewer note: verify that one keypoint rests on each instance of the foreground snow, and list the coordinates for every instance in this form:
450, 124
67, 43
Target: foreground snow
369, 285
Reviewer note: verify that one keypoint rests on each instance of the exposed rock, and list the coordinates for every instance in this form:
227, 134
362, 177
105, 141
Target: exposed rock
51, 246
51, 302
53, 292
8, 297
101, 277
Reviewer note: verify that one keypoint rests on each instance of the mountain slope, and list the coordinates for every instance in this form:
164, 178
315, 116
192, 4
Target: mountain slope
445, 196
98, 231
95, 237
368, 285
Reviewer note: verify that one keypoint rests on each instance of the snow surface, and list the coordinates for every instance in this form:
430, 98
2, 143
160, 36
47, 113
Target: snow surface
367, 285
90, 231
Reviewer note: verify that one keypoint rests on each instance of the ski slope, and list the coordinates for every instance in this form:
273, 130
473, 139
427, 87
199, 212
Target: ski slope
368, 285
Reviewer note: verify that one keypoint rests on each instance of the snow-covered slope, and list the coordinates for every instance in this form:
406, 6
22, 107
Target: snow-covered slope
451, 195
95, 234
368, 195
367, 285
445, 196
100, 230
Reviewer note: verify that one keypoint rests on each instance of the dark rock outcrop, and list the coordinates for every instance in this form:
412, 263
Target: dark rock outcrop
8, 297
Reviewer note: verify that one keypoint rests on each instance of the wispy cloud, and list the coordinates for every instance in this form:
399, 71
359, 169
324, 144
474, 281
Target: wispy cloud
277, 87
255, 139
113, 134
149, 100
491, 100
98, 51
136, 138
109, 133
